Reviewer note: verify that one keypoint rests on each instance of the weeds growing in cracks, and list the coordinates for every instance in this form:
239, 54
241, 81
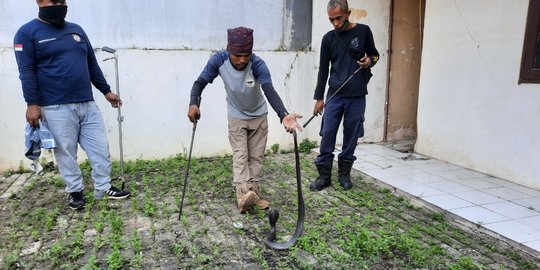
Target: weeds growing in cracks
363, 228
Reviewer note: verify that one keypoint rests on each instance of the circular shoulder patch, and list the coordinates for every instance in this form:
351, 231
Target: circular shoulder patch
76, 37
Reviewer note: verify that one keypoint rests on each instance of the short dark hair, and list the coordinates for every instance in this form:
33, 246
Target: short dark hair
338, 3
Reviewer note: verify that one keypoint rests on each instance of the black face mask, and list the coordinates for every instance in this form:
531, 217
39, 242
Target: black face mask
54, 15
344, 27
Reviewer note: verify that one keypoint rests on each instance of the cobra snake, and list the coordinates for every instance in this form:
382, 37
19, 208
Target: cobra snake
273, 216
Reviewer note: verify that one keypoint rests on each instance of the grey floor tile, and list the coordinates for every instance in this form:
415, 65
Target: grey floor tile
479, 215
377, 173
406, 171
379, 149
364, 165
436, 167
498, 181
506, 193
497, 204
422, 190
531, 203
450, 187
533, 244
531, 221
478, 197
526, 190
399, 181
452, 175
396, 154
372, 157
421, 161
476, 183
448, 201
511, 210
426, 178
514, 230
419, 164
392, 171
387, 163
473, 174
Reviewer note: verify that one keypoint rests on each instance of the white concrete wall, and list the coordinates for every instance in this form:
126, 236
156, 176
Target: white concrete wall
162, 49
155, 87
164, 24
471, 110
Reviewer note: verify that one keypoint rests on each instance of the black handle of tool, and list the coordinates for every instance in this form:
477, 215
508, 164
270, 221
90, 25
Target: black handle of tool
309, 120
189, 162
108, 49
333, 95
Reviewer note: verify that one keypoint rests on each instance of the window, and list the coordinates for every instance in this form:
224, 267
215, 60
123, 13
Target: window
530, 60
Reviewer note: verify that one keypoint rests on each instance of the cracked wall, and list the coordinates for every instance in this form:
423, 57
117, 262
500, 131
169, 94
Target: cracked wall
471, 110
162, 49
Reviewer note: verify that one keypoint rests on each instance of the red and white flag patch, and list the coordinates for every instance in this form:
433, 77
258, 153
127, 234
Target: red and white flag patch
18, 47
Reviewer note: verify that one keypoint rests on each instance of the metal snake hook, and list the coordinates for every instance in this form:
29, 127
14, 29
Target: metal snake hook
188, 162
330, 98
274, 213
119, 118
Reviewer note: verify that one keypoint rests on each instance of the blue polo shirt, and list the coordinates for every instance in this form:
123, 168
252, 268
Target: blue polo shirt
56, 65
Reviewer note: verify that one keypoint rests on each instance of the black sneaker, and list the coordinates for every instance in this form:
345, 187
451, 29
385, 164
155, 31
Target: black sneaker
116, 194
76, 200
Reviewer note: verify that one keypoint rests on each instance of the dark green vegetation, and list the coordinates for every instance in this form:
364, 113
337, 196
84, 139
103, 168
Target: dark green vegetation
368, 227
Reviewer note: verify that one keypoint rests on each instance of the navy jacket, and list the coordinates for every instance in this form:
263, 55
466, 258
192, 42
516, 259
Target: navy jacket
56, 65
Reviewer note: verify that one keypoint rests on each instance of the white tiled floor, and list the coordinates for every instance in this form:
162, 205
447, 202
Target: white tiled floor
499, 205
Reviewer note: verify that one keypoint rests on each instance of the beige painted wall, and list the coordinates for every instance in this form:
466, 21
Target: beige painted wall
404, 69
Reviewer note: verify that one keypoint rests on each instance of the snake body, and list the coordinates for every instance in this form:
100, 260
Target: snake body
273, 216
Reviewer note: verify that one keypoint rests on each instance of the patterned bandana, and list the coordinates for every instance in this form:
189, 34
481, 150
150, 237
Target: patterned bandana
239, 40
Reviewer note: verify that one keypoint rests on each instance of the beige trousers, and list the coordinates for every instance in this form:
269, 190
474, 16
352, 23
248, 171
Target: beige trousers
248, 143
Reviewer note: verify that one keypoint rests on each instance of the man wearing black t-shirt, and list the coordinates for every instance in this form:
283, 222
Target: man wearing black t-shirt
343, 50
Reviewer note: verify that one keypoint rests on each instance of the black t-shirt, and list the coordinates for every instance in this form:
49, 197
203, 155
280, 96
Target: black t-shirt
339, 53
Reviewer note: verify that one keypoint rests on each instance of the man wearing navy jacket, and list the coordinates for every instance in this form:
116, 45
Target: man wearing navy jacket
343, 50
57, 68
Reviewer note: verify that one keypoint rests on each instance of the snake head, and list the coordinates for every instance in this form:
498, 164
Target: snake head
273, 217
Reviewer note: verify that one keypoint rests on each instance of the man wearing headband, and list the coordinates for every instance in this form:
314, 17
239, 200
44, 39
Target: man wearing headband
348, 47
244, 75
